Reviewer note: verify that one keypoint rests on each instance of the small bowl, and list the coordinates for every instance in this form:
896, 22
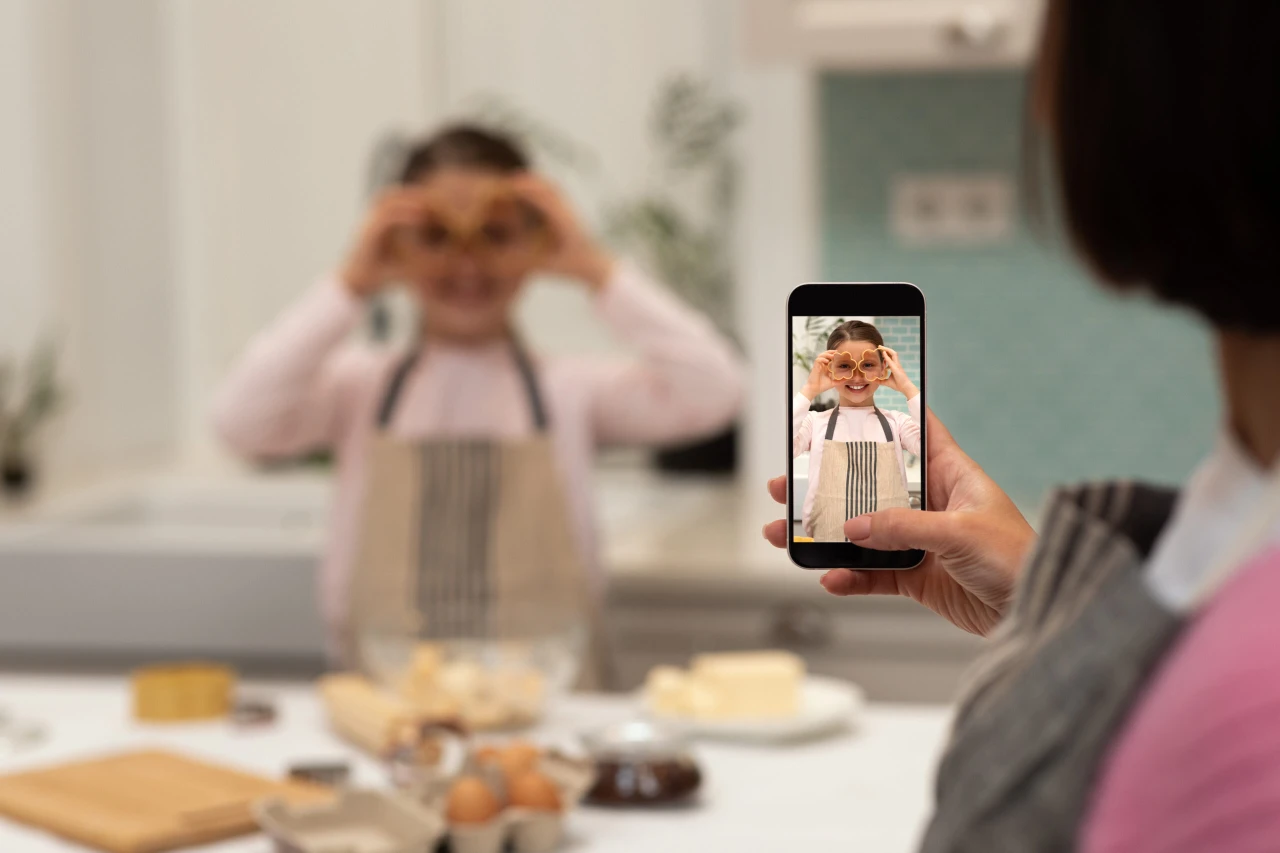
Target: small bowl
641, 764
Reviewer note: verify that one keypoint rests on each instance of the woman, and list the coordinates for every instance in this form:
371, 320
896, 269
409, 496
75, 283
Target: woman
1129, 698
856, 459
463, 503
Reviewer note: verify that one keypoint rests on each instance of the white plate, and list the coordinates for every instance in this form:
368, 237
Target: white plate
827, 705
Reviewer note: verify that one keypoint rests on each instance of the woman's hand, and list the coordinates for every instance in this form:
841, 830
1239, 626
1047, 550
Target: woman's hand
574, 252
371, 263
819, 376
898, 379
974, 537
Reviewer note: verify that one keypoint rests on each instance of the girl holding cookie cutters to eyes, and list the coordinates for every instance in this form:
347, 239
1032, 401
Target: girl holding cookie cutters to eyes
856, 450
464, 462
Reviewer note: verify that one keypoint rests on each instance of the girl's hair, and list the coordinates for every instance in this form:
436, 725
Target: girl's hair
463, 146
854, 330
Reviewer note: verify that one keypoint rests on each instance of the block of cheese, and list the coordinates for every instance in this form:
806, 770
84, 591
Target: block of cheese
728, 686
746, 685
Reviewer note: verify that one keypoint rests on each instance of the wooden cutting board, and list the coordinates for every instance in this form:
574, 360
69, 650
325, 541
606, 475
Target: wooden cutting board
143, 802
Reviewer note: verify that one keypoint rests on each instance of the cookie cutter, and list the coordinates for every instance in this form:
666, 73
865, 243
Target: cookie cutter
843, 372
445, 231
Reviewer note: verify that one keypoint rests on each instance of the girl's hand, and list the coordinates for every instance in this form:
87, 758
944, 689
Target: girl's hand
574, 252
371, 263
974, 537
898, 379
820, 376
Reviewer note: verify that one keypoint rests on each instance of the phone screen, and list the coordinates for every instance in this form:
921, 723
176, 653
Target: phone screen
856, 417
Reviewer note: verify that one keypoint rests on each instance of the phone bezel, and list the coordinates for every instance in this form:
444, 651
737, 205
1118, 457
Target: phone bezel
857, 299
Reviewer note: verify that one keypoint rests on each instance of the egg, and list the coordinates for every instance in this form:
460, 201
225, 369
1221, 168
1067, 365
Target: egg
533, 790
471, 801
517, 758
488, 754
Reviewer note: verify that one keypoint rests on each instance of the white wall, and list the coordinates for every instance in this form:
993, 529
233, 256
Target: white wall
778, 249
275, 108
83, 221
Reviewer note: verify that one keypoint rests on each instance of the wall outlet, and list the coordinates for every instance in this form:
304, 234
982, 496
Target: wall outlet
952, 209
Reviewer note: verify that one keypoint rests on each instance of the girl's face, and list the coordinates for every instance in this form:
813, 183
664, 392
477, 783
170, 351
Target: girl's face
470, 256
858, 390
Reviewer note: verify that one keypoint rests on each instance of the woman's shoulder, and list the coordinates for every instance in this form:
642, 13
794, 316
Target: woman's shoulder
1202, 746
1227, 658
1240, 628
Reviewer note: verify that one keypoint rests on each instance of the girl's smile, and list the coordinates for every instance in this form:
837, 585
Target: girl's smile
856, 392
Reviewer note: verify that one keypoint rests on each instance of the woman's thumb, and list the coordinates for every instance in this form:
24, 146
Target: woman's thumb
904, 530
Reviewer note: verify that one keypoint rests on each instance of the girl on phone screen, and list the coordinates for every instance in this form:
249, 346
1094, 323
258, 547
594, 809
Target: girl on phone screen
856, 450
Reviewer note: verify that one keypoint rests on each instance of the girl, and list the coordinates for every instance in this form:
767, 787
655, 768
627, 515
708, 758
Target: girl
464, 464
856, 462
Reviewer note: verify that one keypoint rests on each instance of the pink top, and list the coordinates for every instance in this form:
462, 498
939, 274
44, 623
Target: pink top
303, 385
1197, 766
856, 423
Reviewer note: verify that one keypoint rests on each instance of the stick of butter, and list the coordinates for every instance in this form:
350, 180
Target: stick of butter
729, 686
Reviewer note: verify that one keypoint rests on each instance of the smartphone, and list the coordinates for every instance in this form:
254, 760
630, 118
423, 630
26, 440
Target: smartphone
856, 417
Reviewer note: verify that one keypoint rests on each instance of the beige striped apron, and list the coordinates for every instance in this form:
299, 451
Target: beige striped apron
855, 477
467, 539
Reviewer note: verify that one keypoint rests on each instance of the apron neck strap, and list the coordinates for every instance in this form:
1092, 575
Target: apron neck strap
835, 416
391, 397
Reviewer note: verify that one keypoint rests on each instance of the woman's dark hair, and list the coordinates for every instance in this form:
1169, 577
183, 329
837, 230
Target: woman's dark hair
463, 146
1163, 126
854, 330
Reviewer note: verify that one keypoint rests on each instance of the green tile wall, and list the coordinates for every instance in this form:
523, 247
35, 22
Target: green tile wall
902, 335
1041, 376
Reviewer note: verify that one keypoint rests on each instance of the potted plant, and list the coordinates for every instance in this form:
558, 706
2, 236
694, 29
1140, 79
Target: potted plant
807, 343
26, 405
682, 228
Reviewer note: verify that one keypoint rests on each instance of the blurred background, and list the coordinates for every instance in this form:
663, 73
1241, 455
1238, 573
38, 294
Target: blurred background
175, 172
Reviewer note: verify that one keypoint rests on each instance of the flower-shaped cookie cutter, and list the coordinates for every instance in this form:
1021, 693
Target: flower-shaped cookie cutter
842, 370
454, 228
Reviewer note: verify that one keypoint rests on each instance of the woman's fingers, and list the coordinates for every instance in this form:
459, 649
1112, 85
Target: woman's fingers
776, 533
908, 529
778, 489
940, 439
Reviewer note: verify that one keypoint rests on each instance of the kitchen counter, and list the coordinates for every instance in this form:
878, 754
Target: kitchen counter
868, 789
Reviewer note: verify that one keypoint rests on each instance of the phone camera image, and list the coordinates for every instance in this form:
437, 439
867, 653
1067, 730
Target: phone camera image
856, 430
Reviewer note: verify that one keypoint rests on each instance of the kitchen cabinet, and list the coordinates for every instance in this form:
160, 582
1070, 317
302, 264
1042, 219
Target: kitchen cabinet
224, 567
894, 34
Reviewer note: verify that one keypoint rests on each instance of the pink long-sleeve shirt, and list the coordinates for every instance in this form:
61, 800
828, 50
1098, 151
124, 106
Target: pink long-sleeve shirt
855, 423
303, 385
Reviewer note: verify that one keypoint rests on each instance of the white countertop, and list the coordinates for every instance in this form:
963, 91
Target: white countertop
868, 790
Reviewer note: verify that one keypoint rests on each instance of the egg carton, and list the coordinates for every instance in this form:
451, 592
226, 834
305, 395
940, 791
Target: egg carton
355, 822
522, 830
397, 822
